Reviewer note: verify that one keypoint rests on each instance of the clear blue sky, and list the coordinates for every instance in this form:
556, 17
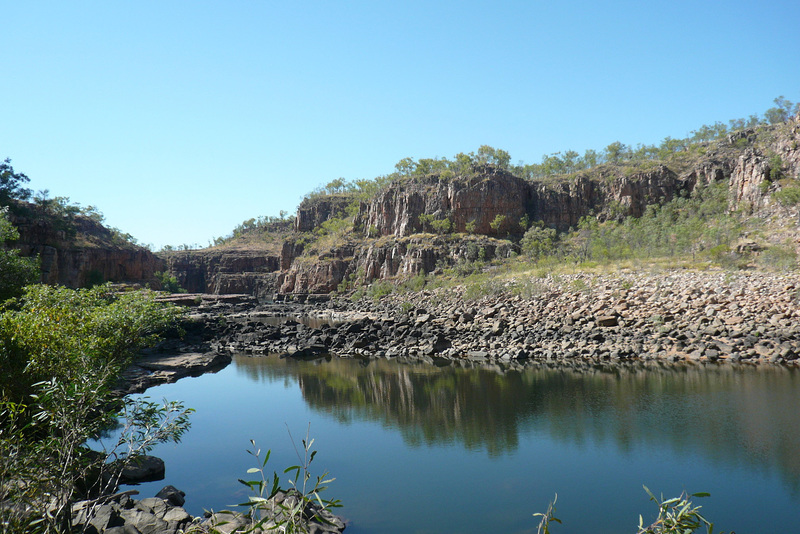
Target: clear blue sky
180, 119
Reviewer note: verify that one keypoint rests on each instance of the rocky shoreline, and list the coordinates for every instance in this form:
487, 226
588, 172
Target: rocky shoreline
164, 514
703, 317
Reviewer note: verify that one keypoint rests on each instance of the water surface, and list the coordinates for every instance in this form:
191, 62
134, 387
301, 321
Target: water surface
417, 448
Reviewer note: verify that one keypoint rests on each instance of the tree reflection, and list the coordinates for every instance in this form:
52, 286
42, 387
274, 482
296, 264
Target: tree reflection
730, 414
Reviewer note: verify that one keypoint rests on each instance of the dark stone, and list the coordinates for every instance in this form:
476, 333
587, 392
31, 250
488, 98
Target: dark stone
172, 495
143, 468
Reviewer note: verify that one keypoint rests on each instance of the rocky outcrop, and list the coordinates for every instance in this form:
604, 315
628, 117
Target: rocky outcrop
314, 211
164, 514
223, 271
476, 202
747, 186
80, 252
750, 181
417, 224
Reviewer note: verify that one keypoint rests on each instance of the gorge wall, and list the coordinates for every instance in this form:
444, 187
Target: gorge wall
80, 252
394, 230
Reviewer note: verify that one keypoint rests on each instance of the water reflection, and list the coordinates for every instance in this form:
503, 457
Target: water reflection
730, 415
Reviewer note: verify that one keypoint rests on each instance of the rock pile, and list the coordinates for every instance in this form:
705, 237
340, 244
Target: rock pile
164, 514
120, 514
693, 316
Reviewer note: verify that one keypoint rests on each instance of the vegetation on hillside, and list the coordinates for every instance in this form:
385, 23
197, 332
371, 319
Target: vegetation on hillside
614, 160
77, 223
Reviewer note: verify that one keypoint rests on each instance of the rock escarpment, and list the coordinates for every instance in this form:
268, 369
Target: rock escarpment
312, 212
82, 251
417, 224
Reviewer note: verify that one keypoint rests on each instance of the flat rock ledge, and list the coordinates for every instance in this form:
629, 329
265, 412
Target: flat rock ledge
155, 369
164, 514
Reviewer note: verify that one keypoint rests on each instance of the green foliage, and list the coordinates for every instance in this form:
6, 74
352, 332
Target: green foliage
498, 223
61, 351
686, 225
377, 290
11, 183
547, 517
775, 167
539, 241
334, 226
493, 156
781, 112
168, 282
788, 195
677, 515
480, 286
62, 207
16, 272
778, 258
470, 226
264, 225
439, 226
301, 504
59, 333
416, 283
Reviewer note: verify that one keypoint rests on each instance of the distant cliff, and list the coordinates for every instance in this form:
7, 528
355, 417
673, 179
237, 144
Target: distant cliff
416, 224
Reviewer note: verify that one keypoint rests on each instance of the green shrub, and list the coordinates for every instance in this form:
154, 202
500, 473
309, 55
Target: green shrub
788, 195
778, 258
61, 351
168, 282
498, 223
15, 271
302, 503
378, 290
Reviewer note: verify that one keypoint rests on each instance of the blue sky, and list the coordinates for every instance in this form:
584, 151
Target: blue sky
181, 119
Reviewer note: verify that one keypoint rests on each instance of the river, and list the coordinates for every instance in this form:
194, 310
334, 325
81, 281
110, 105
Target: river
417, 448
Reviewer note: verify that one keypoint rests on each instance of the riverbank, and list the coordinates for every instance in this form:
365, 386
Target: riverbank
695, 316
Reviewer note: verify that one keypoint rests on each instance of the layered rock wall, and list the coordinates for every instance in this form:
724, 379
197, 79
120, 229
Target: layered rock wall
395, 227
84, 258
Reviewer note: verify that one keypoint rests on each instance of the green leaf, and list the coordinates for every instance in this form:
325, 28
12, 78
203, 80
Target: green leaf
253, 470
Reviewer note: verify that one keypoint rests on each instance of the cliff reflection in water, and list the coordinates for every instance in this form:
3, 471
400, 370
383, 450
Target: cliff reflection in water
732, 415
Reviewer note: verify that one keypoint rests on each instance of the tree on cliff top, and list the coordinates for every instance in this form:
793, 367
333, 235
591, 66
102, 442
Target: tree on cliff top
11, 183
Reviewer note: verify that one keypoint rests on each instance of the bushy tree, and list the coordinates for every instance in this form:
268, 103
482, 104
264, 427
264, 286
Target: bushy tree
11, 183
781, 112
539, 241
15, 271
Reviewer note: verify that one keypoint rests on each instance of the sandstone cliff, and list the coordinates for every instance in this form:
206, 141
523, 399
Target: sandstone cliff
393, 233
80, 251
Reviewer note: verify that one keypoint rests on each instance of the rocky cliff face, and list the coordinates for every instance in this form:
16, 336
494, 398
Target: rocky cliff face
224, 271
312, 212
751, 176
476, 201
395, 229
479, 200
82, 253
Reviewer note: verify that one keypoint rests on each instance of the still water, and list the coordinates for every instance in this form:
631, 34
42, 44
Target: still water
416, 448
